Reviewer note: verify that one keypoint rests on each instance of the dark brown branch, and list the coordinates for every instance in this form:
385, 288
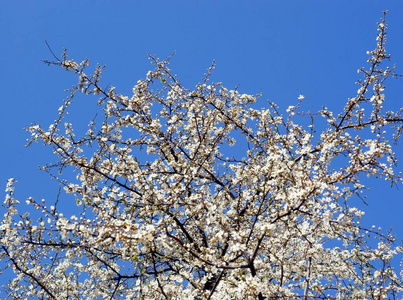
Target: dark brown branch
40, 284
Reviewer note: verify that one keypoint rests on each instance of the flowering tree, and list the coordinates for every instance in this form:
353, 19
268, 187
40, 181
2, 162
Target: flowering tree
196, 194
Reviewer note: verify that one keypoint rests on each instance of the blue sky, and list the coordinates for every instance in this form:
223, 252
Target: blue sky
278, 48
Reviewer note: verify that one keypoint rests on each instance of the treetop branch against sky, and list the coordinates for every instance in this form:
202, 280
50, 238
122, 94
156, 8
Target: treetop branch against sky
176, 187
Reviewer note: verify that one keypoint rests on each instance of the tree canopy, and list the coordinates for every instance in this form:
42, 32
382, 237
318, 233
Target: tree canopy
205, 194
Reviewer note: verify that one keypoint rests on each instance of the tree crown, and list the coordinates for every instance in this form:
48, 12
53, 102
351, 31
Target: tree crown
202, 194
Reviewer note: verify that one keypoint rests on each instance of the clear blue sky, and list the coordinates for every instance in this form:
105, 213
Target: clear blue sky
278, 48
